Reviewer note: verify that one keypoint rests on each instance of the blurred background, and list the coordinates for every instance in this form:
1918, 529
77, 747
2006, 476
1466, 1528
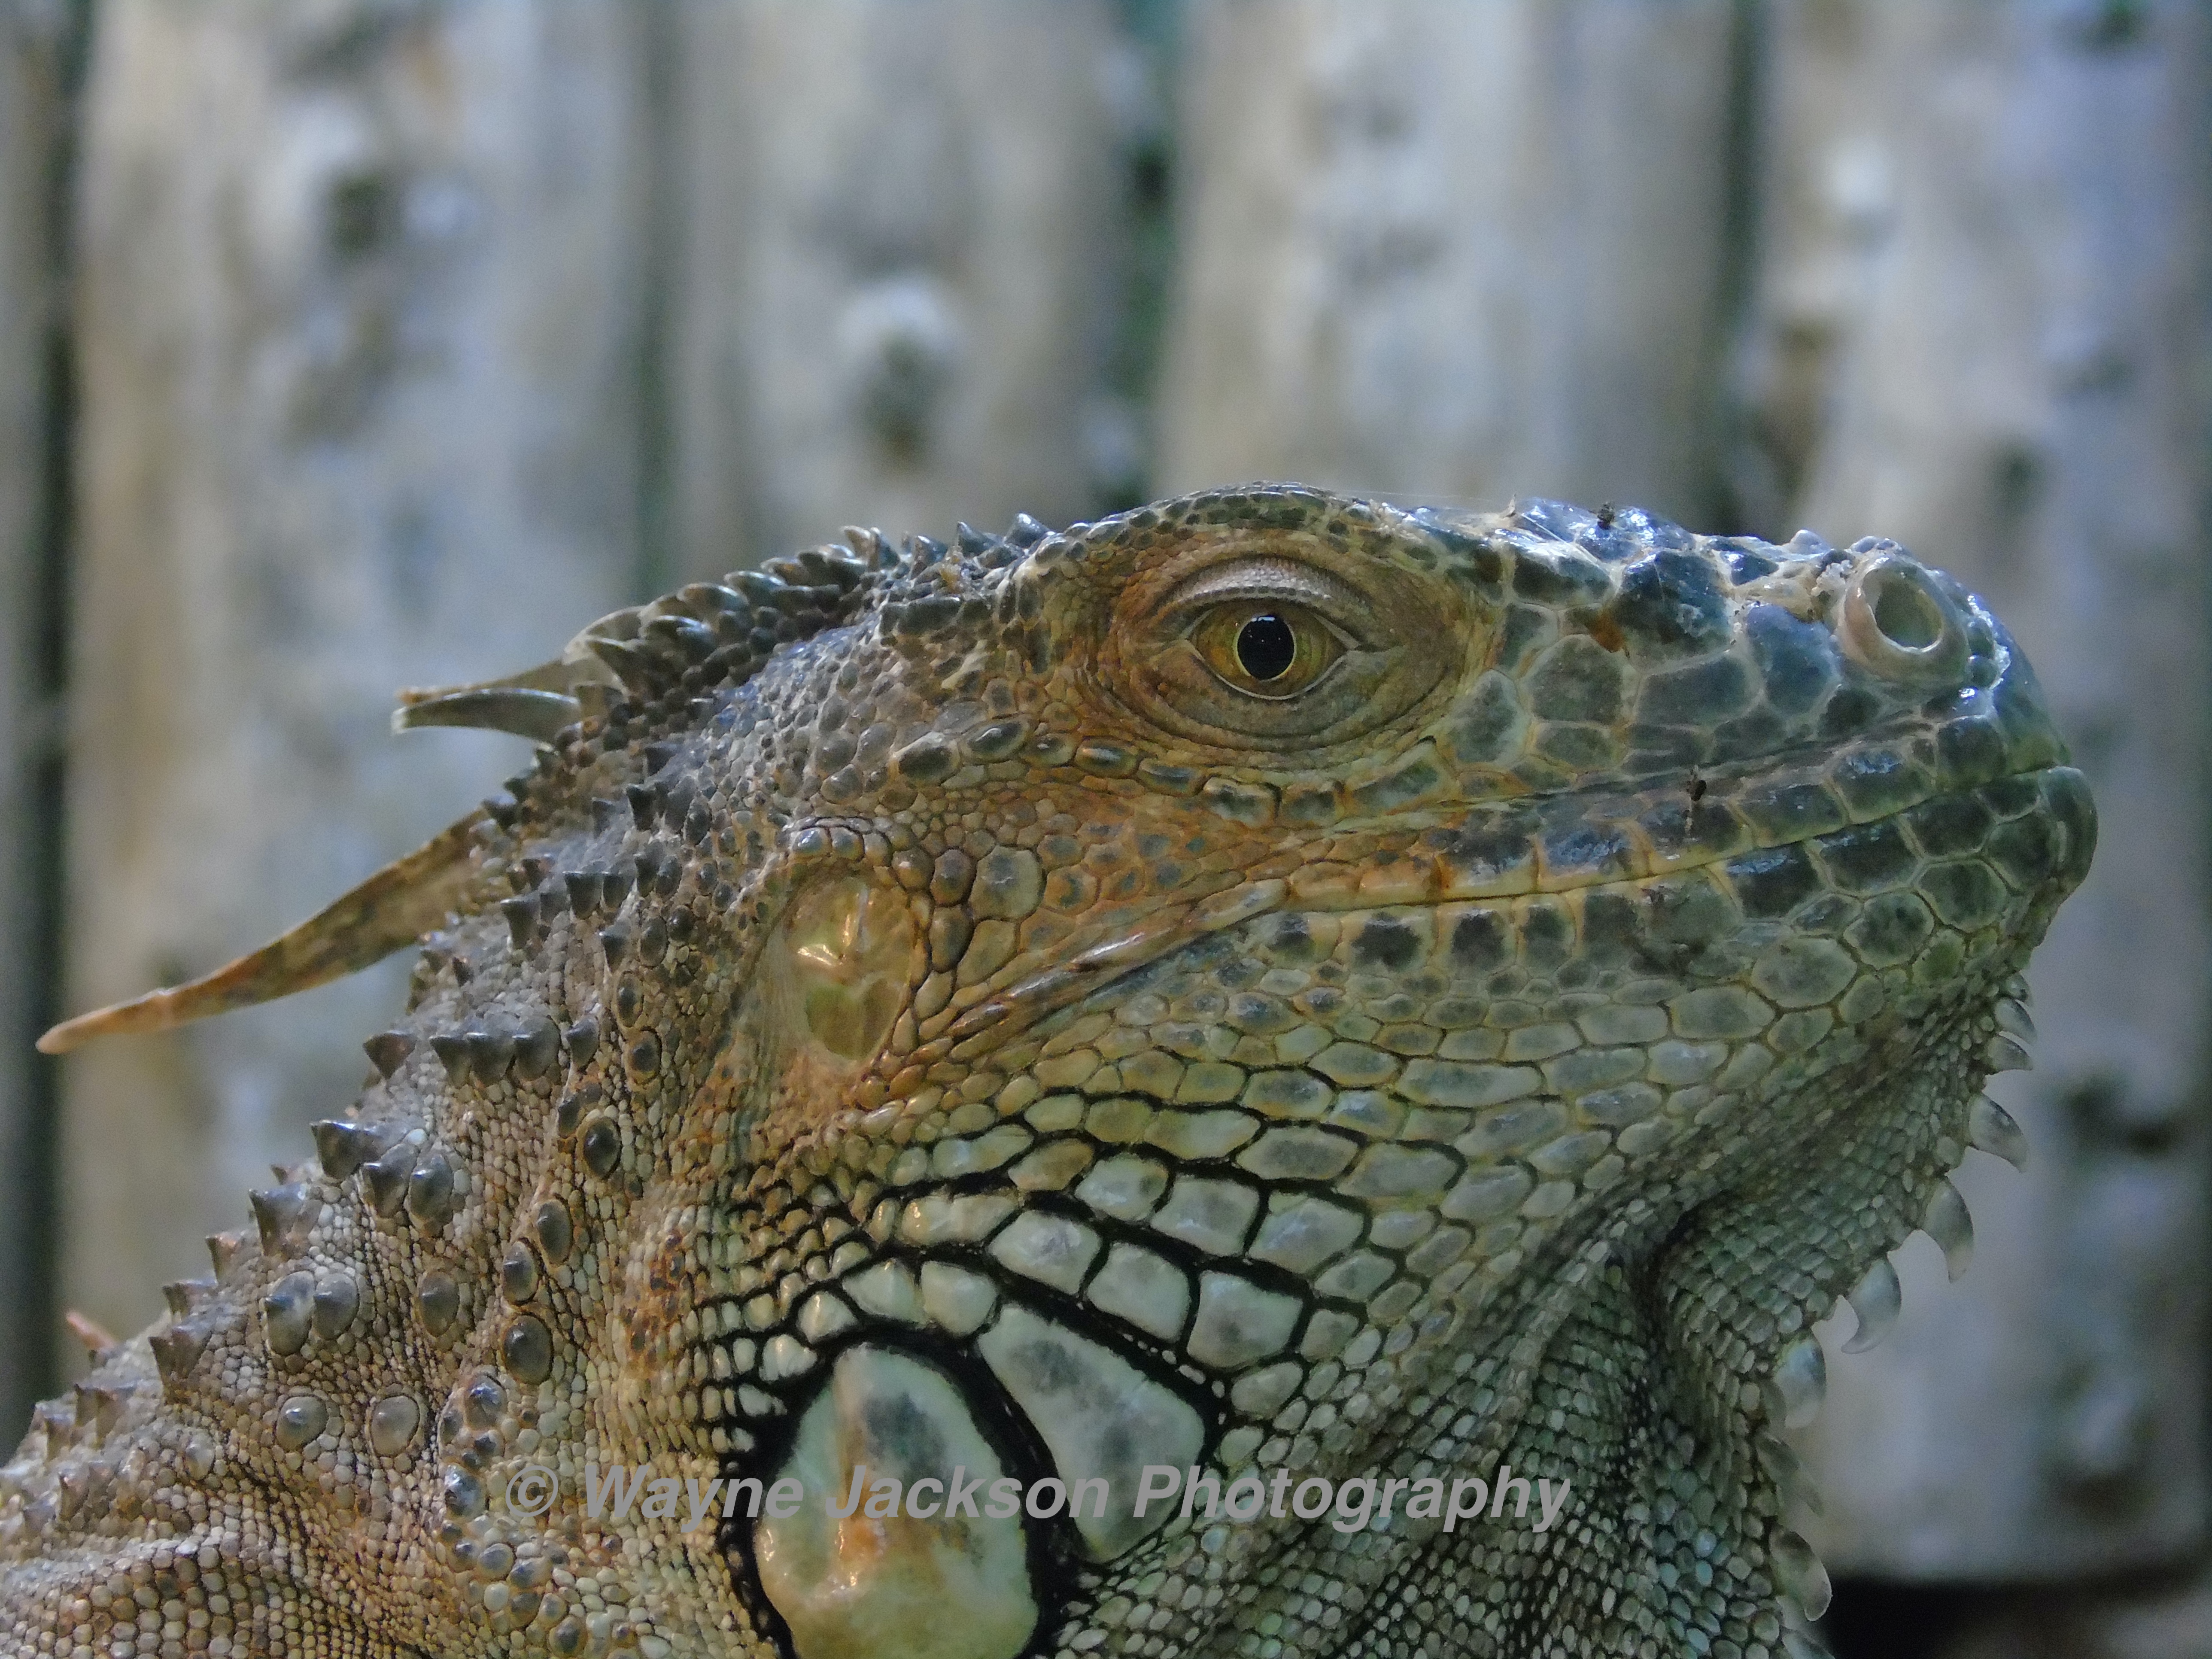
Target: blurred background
347, 344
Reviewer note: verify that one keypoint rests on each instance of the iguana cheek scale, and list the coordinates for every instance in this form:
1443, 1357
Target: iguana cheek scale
1267, 983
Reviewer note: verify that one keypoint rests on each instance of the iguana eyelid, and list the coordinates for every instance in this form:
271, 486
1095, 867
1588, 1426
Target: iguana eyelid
1265, 580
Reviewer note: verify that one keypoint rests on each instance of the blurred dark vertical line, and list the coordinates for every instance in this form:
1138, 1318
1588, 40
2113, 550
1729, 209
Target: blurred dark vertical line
1130, 373
659, 38
1735, 292
30, 1159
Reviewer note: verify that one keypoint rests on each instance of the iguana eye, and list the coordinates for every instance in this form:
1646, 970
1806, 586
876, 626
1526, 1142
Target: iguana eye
1260, 651
1265, 648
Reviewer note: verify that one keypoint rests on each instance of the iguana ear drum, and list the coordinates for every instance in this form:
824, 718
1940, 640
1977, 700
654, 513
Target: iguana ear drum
842, 961
837, 971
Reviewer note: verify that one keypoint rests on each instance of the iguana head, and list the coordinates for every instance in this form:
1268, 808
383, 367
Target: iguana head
1268, 984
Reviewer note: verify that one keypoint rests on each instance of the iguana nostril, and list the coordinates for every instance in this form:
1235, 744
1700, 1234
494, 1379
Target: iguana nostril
1898, 624
1907, 615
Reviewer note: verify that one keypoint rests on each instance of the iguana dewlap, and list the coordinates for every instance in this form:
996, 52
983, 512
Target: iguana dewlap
1268, 985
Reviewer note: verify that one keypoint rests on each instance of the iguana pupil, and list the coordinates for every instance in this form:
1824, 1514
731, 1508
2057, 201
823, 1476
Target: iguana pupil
1266, 647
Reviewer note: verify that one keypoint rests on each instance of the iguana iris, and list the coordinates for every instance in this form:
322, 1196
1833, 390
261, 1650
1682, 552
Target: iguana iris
1266, 982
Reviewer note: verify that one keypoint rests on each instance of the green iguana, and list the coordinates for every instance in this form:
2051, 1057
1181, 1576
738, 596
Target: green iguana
1266, 986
